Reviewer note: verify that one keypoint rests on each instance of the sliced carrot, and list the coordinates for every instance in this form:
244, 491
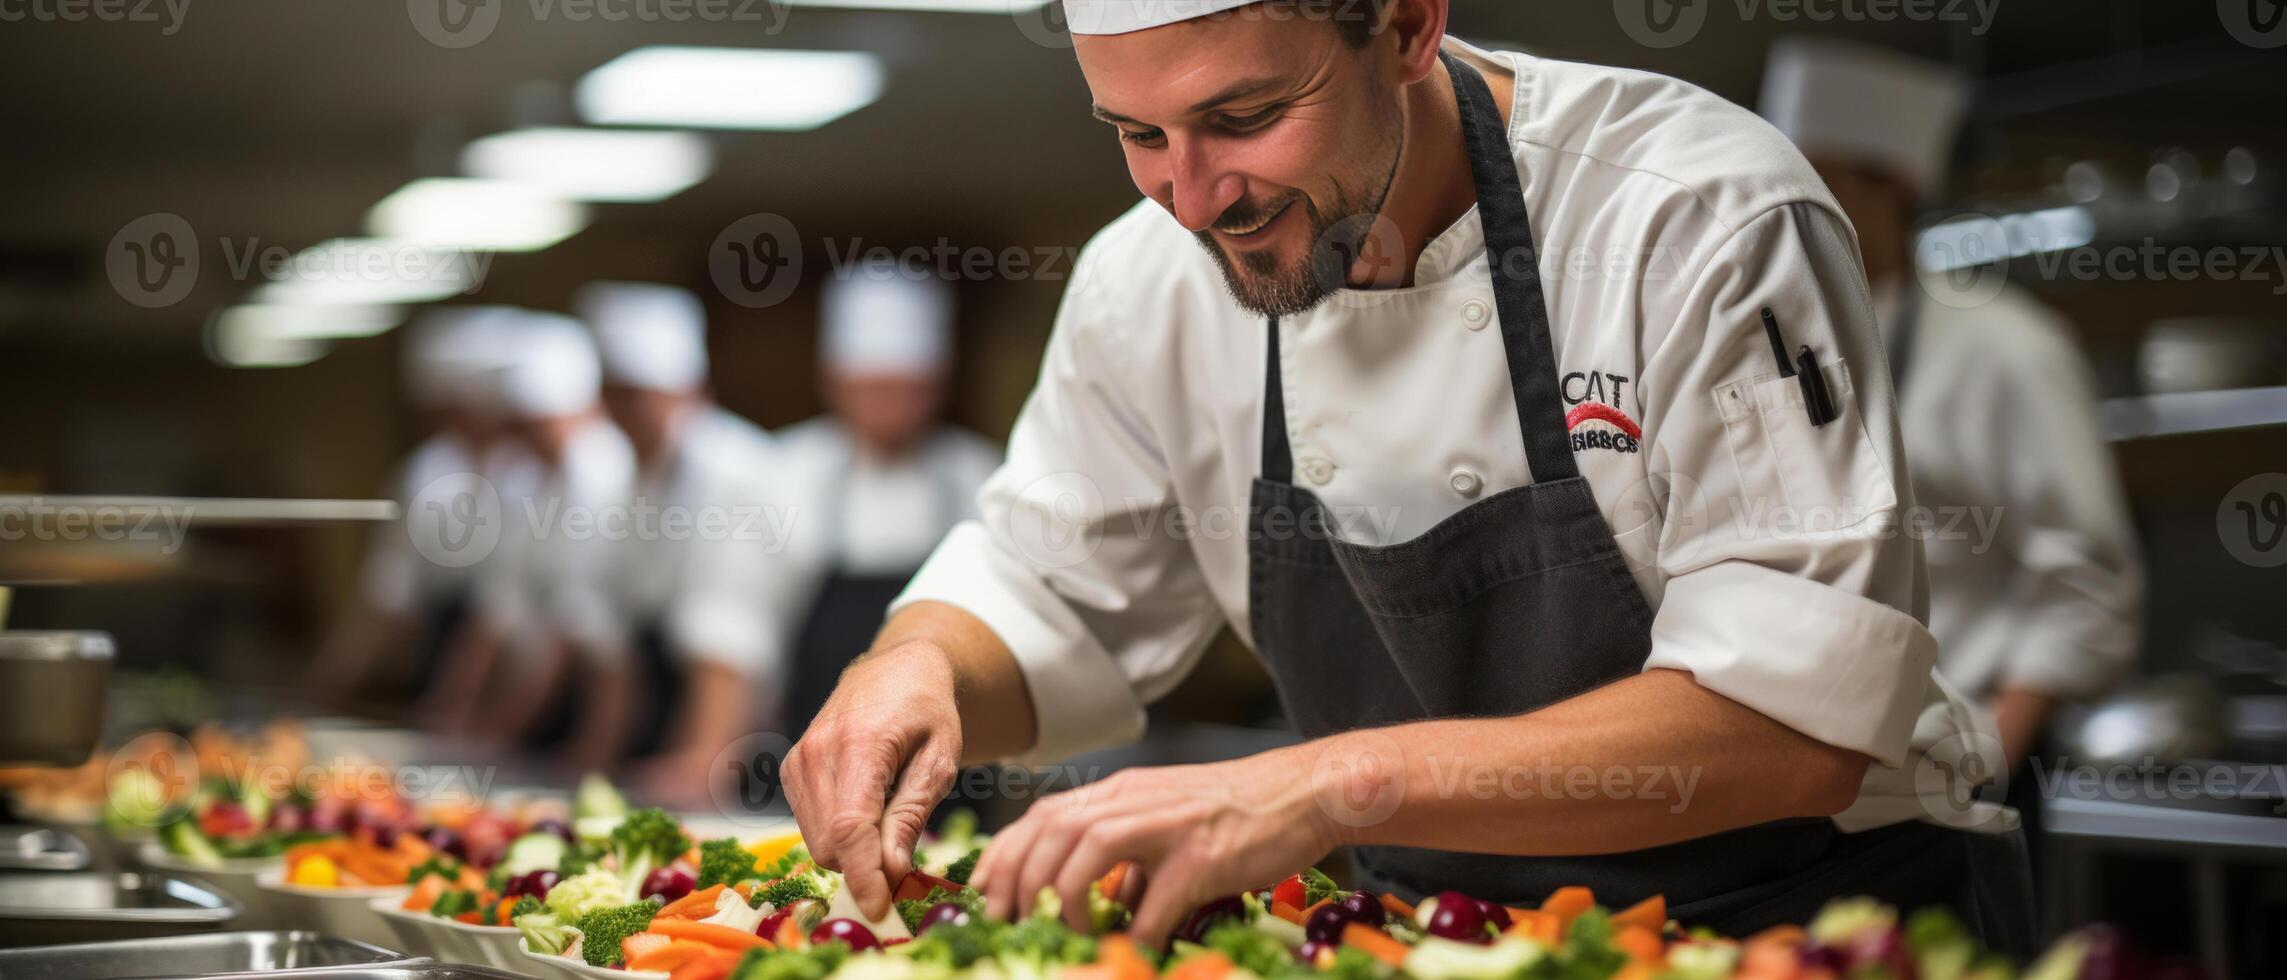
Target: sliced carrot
500, 911
424, 894
745, 890
1287, 912
1313, 909
703, 899
1205, 966
1637, 970
709, 933
1114, 879
1770, 959
472, 917
1541, 927
716, 965
1396, 906
1119, 954
1375, 942
790, 935
1567, 903
1651, 913
661, 952
1641, 944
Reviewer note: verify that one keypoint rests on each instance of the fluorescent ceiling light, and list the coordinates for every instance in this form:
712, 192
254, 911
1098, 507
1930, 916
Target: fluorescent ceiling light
367, 271
468, 213
729, 88
243, 343
931, 6
593, 164
300, 322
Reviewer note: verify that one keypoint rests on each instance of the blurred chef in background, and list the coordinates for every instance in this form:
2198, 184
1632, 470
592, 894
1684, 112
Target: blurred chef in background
543, 640
879, 479
408, 608
689, 581
1997, 405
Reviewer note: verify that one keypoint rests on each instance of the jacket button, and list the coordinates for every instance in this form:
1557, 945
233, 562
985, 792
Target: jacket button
1465, 483
1317, 469
1476, 314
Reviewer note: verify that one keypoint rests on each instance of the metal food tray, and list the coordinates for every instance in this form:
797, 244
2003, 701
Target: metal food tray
25, 848
200, 955
41, 907
394, 971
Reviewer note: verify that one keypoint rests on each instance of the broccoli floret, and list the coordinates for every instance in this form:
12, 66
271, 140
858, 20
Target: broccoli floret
525, 905
1044, 938
577, 859
724, 862
544, 932
959, 871
957, 946
912, 909
814, 963
439, 865
786, 891
1587, 951
1316, 886
647, 839
602, 931
452, 903
1250, 948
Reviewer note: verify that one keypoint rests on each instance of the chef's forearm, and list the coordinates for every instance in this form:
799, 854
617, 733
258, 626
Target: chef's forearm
1649, 760
997, 718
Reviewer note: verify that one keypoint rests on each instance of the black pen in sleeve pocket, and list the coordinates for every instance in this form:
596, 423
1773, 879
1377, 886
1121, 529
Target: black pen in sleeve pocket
1818, 402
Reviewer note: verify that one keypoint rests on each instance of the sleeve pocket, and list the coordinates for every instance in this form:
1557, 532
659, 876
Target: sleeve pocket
1827, 477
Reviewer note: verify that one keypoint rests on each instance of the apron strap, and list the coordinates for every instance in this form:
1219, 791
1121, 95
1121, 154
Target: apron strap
1278, 454
1516, 271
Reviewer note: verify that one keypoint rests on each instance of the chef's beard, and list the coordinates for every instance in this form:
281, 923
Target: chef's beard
1260, 283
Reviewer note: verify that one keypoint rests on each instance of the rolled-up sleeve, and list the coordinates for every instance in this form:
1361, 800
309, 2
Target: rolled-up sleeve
1101, 619
1788, 585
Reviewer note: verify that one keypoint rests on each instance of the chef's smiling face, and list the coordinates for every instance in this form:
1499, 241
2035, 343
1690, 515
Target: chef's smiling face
1270, 137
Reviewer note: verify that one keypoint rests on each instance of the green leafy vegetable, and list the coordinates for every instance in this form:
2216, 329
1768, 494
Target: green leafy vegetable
723, 862
453, 902
786, 891
814, 963
1249, 949
959, 871
1316, 886
602, 931
440, 865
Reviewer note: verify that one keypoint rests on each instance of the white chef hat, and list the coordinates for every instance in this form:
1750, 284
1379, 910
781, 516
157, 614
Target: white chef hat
884, 318
1127, 16
1872, 104
449, 352
649, 336
553, 370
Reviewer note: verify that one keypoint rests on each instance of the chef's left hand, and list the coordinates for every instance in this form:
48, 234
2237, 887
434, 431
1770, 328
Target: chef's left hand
1200, 832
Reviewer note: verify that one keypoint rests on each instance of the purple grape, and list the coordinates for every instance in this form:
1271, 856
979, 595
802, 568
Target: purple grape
1308, 951
943, 914
1325, 925
1882, 949
668, 884
446, 840
1826, 958
1494, 913
556, 827
1366, 909
1457, 917
535, 884
1204, 918
384, 835
849, 931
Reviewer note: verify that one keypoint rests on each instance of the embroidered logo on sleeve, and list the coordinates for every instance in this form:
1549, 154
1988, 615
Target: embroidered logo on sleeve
1595, 419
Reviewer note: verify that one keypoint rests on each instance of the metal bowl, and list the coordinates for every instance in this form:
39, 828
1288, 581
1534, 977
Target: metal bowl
52, 687
222, 952
67, 907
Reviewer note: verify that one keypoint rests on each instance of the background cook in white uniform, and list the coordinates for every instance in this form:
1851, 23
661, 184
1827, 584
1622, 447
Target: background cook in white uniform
880, 479
689, 583
2035, 586
1666, 219
543, 601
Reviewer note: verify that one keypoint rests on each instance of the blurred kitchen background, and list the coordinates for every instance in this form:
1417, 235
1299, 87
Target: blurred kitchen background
272, 126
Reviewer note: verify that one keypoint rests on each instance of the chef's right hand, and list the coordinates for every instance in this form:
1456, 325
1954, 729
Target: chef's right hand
874, 763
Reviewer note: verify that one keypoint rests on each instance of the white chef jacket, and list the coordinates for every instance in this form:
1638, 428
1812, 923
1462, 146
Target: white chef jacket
702, 546
395, 578
2034, 578
551, 572
887, 514
1112, 545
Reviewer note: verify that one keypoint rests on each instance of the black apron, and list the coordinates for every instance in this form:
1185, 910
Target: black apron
850, 606
1517, 602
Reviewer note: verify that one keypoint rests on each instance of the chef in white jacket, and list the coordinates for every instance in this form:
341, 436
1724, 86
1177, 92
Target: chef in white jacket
880, 478
2035, 587
690, 579
409, 607
543, 617
1440, 374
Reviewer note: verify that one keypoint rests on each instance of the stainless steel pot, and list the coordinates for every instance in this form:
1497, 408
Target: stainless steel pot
52, 687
